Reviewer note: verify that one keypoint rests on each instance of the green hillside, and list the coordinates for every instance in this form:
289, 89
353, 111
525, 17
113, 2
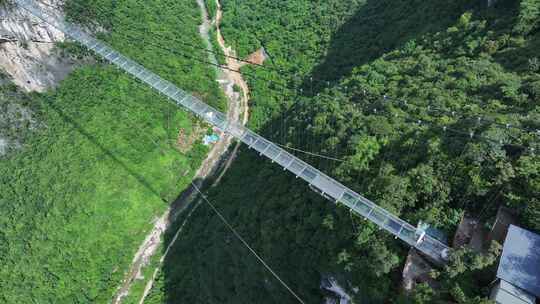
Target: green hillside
337, 60
429, 108
100, 164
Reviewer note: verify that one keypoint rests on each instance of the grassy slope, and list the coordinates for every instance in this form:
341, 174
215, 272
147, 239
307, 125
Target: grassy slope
457, 61
79, 198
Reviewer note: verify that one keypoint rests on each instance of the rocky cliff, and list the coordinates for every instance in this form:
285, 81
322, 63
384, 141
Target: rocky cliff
27, 51
28, 58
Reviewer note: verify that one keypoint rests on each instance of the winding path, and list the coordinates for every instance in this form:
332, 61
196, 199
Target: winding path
325, 185
234, 78
216, 163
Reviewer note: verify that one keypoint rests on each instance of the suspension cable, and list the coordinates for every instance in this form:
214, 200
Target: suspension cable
385, 98
409, 120
311, 153
239, 237
257, 77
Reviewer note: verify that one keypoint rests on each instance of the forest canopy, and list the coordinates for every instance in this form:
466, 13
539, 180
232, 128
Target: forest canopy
433, 107
98, 160
429, 108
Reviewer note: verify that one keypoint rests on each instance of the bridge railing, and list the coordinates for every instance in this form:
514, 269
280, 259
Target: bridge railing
329, 187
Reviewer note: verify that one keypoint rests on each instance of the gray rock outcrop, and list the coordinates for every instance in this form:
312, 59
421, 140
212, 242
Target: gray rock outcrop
27, 51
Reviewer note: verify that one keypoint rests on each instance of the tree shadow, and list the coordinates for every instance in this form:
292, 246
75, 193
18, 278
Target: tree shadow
378, 27
206, 260
204, 277
142, 181
503, 17
517, 58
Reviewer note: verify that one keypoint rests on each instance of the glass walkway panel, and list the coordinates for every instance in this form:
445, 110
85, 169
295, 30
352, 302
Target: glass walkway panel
329, 187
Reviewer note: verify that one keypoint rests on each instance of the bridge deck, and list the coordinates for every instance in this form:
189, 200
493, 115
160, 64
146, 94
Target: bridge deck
329, 187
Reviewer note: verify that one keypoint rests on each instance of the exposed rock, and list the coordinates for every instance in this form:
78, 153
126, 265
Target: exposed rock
16, 121
27, 50
330, 284
258, 57
416, 270
4, 146
464, 231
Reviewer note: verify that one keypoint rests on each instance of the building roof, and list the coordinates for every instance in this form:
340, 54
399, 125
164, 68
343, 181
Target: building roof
520, 261
509, 294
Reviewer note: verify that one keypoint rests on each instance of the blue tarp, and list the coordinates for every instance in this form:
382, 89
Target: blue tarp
210, 139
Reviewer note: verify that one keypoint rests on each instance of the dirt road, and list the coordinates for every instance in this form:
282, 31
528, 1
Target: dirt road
216, 163
234, 78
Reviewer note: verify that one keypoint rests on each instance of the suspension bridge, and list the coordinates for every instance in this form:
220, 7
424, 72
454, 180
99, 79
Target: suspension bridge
323, 184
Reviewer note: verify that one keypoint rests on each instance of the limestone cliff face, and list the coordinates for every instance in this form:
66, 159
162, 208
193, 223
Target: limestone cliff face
27, 52
28, 58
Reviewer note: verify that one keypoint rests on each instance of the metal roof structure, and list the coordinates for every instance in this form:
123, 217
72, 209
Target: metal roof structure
328, 187
506, 293
520, 260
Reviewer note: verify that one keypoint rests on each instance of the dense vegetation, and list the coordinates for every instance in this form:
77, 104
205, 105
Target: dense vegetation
451, 55
99, 163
